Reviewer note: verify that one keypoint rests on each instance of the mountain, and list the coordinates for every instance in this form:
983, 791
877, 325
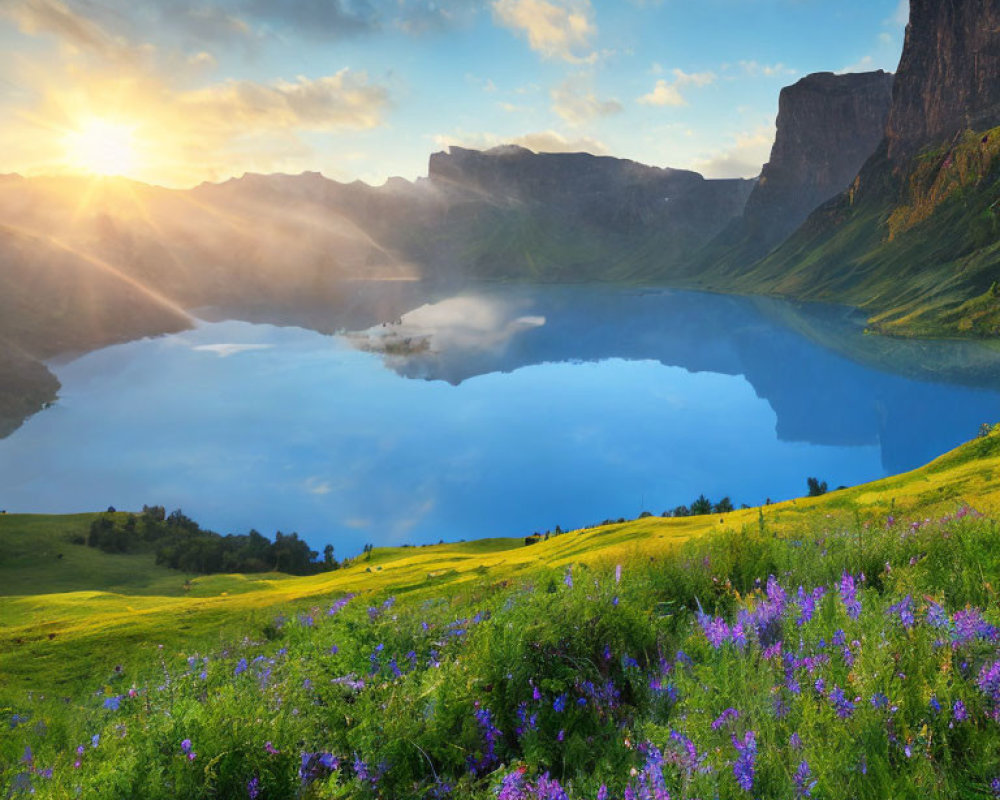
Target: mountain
827, 126
915, 240
91, 262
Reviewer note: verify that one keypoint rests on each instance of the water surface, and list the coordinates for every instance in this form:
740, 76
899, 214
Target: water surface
499, 411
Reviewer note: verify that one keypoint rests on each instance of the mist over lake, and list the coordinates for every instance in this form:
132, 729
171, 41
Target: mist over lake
497, 411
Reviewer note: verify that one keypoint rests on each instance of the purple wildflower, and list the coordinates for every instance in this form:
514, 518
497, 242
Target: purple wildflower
241, 667
969, 625
843, 706
959, 711
745, 764
724, 717
989, 684
904, 610
849, 596
803, 783
253, 788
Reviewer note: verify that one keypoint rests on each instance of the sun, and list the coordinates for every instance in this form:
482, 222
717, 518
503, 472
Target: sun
101, 147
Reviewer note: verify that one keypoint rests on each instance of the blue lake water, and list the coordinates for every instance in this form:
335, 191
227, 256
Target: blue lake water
497, 411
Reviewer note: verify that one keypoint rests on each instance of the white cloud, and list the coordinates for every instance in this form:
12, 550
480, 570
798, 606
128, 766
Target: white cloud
668, 93
755, 69
744, 158
344, 100
576, 103
557, 29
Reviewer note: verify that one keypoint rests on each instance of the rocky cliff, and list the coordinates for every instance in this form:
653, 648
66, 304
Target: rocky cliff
827, 126
949, 74
915, 238
509, 212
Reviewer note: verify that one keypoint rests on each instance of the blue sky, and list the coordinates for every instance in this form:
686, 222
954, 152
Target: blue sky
207, 89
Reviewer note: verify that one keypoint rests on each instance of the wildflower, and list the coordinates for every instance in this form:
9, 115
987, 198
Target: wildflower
989, 681
879, 700
253, 788
512, 786
803, 784
959, 711
937, 617
618, 577
112, 703
241, 667
95, 740
744, 766
935, 704
568, 579
724, 717
969, 625
795, 741
849, 597
270, 749
187, 751
904, 610
716, 630
841, 704
559, 704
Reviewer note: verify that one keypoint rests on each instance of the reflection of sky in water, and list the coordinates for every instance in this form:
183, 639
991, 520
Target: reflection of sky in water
279, 428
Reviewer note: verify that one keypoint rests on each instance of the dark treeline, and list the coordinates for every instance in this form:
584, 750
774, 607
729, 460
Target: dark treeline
180, 543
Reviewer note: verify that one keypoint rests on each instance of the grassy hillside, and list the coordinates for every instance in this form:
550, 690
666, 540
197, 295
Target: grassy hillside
474, 668
67, 618
919, 251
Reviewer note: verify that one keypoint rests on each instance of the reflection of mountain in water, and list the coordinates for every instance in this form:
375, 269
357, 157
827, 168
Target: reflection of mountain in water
895, 396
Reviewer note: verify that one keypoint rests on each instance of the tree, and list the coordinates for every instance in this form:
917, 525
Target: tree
328, 560
816, 487
724, 506
682, 511
701, 506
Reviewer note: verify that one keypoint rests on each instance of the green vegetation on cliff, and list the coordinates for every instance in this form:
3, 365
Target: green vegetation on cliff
918, 249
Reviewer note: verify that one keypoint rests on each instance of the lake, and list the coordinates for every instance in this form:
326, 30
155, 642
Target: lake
495, 411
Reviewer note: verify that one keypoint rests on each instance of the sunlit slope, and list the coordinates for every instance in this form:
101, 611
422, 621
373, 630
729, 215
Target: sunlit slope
58, 640
922, 258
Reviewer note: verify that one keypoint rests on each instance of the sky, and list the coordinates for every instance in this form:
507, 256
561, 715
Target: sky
177, 92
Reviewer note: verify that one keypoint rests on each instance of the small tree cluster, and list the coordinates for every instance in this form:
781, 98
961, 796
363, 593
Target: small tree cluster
180, 543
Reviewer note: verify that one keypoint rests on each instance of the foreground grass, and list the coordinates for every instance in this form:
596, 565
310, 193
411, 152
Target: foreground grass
445, 670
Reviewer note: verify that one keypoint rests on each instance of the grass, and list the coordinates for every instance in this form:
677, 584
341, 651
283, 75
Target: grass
453, 666
918, 252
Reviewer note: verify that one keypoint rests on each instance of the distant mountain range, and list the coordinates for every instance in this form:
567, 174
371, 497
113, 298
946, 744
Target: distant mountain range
901, 176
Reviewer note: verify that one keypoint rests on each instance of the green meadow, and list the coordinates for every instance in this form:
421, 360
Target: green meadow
711, 656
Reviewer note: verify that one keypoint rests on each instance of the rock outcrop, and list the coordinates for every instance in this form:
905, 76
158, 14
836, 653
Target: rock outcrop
914, 238
827, 126
949, 74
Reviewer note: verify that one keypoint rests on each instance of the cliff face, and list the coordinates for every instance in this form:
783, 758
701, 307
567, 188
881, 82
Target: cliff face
915, 238
609, 193
827, 126
949, 74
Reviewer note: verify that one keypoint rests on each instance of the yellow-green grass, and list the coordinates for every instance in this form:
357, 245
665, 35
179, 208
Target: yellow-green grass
60, 641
